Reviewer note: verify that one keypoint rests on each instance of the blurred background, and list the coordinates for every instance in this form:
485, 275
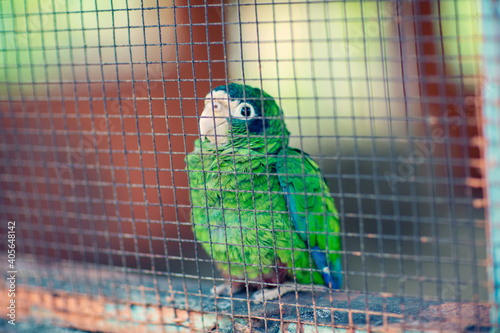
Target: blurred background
99, 103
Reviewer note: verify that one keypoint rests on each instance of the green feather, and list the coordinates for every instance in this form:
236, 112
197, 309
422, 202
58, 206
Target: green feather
242, 214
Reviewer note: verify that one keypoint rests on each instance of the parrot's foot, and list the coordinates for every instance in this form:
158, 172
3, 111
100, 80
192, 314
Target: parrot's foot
225, 290
271, 294
285, 288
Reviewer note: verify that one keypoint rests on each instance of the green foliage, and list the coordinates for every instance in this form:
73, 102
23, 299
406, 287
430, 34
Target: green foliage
47, 41
460, 24
322, 60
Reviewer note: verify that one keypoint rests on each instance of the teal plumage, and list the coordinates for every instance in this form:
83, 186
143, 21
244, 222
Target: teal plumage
261, 209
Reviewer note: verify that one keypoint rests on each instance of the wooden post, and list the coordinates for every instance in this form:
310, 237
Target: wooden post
491, 109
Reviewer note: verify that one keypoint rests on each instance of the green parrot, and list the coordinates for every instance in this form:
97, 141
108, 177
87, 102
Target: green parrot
261, 209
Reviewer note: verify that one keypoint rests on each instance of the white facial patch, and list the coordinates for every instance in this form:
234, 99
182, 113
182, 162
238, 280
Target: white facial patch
244, 111
214, 123
221, 102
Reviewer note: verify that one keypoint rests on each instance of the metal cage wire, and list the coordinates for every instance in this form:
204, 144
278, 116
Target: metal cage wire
100, 105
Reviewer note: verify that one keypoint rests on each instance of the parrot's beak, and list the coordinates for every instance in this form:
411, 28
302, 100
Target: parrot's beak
213, 126
214, 118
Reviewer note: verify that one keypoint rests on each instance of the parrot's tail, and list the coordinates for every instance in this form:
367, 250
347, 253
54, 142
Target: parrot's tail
332, 274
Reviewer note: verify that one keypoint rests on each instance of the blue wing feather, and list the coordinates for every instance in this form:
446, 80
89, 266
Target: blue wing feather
330, 269
331, 276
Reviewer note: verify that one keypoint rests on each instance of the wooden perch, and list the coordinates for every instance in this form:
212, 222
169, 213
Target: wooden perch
109, 299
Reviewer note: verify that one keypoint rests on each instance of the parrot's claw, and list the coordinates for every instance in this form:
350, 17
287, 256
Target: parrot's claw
224, 290
274, 293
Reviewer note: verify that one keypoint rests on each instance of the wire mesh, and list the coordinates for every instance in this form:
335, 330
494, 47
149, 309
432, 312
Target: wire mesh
100, 105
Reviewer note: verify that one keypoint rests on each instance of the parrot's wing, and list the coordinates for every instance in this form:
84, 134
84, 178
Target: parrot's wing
312, 211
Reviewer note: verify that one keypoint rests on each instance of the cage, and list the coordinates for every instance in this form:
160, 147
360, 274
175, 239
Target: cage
396, 102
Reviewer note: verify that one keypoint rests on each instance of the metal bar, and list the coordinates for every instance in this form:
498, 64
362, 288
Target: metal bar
491, 112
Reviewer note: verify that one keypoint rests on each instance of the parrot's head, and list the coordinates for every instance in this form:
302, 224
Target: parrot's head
242, 116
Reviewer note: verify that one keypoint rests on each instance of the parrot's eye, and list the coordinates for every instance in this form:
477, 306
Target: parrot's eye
245, 110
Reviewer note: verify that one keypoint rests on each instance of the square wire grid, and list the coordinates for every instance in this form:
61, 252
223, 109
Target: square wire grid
100, 105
